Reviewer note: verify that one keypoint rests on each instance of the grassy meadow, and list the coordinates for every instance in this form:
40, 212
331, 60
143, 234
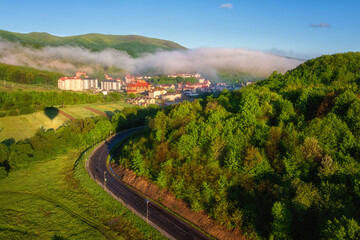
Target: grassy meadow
7, 86
23, 126
57, 199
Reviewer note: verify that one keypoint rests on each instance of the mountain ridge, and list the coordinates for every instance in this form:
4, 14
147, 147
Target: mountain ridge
134, 45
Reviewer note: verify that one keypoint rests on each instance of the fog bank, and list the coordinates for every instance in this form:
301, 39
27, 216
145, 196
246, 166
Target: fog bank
204, 60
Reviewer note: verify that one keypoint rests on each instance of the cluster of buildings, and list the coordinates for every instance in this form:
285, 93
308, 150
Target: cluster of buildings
139, 85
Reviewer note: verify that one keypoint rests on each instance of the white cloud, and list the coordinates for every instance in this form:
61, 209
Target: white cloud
320, 25
203, 60
226, 5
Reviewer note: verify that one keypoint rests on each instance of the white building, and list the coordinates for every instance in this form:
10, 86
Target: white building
156, 93
77, 84
90, 84
111, 85
171, 96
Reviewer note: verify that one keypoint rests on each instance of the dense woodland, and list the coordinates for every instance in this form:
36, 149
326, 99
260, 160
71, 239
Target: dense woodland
278, 159
233, 78
21, 74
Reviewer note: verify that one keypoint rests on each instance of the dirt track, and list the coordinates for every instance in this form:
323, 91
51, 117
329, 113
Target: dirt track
67, 115
96, 111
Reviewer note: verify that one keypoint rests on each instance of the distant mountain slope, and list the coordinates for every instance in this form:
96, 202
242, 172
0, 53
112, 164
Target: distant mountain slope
134, 45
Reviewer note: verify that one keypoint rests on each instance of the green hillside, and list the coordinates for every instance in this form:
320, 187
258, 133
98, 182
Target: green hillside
279, 159
24, 126
134, 45
28, 75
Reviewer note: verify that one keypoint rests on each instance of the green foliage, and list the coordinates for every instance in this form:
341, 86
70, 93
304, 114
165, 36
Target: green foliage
21, 74
137, 163
16, 103
282, 221
343, 228
46, 143
235, 77
157, 80
132, 44
279, 158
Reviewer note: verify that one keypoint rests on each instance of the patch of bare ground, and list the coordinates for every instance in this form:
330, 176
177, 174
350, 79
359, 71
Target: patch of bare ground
200, 218
96, 111
66, 115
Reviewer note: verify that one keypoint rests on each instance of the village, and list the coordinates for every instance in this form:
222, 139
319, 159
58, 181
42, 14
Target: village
141, 92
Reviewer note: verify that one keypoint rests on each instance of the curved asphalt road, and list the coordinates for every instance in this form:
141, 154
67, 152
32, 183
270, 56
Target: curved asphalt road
173, 226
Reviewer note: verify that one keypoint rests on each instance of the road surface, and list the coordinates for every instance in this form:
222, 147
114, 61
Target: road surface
170, 225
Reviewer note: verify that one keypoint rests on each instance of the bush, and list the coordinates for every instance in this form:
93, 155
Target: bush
26, 110
13, 113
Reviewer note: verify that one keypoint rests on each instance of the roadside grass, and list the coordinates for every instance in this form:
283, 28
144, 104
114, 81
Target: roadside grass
24, 126
58, 198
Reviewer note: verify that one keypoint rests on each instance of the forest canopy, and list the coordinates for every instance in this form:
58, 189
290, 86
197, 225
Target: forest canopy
22, 74
278, 159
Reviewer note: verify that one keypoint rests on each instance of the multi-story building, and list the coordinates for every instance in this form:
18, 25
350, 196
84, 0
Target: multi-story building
90, 84
77, 84
111, 85
138, 86
129, 79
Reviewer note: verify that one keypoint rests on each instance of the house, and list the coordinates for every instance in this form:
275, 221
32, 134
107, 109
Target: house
156, 92
81, 74
171, 96
248, 83
108, 77
185, 75
138, 86
143, 101
129, 79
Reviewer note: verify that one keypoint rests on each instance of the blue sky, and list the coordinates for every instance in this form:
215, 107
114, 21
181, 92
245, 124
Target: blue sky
298, 28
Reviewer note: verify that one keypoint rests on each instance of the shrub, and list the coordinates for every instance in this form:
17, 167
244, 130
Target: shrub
26, 110
13, 113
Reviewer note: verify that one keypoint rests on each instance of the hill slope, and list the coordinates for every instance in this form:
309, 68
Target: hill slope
29, 75
278, 159
134, 45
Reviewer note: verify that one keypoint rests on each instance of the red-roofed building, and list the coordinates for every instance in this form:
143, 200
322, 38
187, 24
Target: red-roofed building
81, 74
138, 87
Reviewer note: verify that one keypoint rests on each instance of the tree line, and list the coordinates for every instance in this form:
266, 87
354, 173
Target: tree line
278, 159
157, 80
29, 75
79, 133
15, 103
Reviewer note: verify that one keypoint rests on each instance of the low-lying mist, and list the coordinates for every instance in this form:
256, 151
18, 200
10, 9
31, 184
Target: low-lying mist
68, 59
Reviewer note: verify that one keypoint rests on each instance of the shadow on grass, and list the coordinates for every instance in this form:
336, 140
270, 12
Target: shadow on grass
51, 112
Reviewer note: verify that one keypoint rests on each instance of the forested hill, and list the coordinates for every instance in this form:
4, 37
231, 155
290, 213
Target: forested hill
134, 45
278, 159
29, 75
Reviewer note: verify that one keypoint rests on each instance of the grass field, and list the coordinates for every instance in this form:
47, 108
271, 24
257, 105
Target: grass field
23, 126
57, 198
15, 87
